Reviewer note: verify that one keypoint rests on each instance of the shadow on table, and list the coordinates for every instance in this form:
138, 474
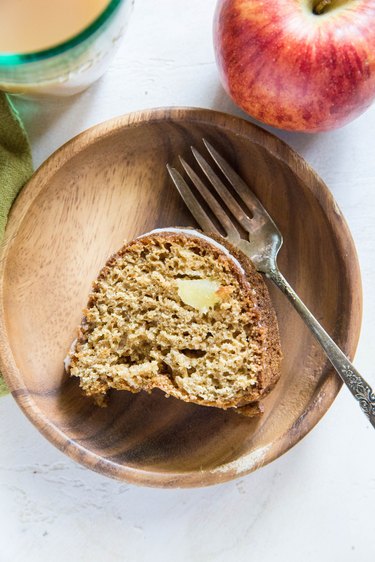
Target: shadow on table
41, 115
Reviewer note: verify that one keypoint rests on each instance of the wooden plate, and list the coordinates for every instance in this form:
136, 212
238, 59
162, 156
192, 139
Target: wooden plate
110, 184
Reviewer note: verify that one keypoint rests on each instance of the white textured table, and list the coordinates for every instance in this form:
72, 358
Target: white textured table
314, 503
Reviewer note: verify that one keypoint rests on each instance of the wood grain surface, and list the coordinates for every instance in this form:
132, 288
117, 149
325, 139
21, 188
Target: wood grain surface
110, 184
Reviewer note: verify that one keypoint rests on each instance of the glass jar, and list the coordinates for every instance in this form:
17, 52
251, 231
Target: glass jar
70, 67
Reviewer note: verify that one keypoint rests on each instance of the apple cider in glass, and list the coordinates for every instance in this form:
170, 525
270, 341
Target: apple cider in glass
57, 46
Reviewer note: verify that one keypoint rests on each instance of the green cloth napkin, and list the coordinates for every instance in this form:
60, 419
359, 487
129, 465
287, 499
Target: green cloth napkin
15, 167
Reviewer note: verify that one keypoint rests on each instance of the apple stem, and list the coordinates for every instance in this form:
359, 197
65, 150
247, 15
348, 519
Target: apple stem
320, 6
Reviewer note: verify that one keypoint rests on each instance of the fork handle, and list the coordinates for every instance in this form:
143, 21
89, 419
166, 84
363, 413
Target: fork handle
357, 385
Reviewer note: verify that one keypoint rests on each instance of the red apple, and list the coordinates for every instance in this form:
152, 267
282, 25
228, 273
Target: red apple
302, 65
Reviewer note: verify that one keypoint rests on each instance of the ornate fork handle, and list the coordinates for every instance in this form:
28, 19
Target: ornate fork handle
262, 246
357, 385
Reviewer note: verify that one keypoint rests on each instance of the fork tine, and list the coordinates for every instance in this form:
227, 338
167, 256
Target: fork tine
243, 190
191, 202
223, 192
211, 201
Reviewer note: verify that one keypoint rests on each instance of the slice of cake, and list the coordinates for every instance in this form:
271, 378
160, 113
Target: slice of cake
183, 312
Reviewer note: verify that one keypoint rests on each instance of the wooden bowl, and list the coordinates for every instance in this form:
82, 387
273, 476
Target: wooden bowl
109, 184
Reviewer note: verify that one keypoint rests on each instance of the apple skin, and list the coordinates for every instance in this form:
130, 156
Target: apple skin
295, 70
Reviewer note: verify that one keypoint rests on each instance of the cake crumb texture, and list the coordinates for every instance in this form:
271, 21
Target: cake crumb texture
139, 334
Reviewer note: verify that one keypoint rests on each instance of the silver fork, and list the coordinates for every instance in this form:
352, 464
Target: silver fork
263, 244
